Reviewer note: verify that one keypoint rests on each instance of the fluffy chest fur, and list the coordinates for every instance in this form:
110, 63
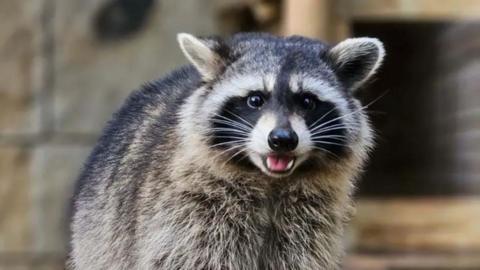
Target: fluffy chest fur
237, 225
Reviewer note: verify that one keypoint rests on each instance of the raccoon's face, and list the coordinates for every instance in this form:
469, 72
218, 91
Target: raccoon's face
281, 104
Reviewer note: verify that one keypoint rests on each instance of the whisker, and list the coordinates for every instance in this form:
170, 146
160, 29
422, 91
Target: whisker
239, 117
236, 125
232, 121
356, 111
377, 98
227, 118
230, 130
327, 127
338, 138
320, 119
333, 135
222, 119
328, 130
325, 150
335, 119
332, 143
242, 158
245, 138
223, 143
228, 150
233, 156
335, 126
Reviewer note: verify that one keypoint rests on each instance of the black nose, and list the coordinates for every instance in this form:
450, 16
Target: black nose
282, 139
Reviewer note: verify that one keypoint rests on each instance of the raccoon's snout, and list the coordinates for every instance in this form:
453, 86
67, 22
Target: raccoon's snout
283, 140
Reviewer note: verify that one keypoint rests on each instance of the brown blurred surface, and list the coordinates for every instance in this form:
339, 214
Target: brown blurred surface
412, 262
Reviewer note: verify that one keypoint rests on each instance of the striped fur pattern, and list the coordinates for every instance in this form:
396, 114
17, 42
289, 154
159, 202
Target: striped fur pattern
178, 180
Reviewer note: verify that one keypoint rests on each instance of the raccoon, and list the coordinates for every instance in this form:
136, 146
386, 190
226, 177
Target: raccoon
245, 159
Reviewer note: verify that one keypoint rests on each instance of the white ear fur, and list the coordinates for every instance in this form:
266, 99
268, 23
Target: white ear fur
365, 55
205, 59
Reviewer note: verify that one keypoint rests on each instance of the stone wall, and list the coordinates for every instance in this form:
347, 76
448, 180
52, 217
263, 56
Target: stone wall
59, 83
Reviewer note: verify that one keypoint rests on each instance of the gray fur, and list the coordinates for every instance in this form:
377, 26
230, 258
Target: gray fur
154, 195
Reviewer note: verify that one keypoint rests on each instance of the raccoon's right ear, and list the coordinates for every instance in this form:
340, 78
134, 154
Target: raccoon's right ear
202, 54
355, 60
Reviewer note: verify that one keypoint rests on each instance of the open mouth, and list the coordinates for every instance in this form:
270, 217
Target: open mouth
279, 163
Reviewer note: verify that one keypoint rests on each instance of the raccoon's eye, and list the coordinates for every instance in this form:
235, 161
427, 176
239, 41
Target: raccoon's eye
255, 100
308, 102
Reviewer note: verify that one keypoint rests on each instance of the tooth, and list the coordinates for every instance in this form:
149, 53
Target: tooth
269, 165
290, 164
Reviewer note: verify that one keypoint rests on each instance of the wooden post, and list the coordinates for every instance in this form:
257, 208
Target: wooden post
307, 18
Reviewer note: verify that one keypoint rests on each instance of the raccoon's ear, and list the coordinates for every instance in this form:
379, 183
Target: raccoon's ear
202, 55
355, 60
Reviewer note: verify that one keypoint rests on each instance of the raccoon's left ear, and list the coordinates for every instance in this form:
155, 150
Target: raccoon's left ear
202, 54
355, 60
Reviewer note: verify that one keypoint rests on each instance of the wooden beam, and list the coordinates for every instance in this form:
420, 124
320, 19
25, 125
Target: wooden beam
423, 224
411, 261
410, 9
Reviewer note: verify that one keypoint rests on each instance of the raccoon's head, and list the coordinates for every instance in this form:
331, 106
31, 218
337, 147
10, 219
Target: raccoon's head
280, 105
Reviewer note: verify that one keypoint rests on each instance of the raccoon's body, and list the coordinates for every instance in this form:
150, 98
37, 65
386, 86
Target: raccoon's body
244, 160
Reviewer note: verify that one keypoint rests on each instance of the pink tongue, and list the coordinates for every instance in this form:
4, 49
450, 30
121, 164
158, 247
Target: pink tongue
278, 163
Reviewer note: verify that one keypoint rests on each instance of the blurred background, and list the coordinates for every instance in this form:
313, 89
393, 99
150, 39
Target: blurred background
67, 65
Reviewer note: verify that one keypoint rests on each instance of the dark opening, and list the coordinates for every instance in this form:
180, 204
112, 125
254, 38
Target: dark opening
416, 143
